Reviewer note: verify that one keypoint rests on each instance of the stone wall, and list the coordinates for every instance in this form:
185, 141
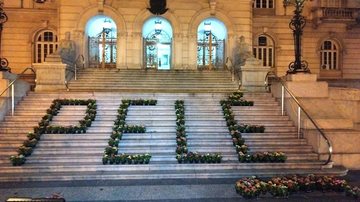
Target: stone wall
28, 18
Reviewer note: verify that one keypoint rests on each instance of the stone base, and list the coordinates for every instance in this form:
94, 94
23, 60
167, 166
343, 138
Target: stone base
50, 76
298, 82
345, 143
253, 75
350, 161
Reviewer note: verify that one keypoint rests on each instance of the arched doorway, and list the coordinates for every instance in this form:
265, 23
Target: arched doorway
102, 38
211, 35
157, 43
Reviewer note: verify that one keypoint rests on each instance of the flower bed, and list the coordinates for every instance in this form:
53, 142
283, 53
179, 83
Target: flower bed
111, 155
285, 186
44, 126
262, 157
182, 153
235, 131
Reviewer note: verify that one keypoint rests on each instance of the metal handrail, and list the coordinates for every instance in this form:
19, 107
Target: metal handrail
301, 107
11, 84
75, 69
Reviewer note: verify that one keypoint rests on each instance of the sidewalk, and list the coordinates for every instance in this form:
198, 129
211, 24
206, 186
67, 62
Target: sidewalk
213, 190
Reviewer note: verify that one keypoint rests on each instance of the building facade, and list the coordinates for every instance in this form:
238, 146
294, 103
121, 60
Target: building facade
190, 35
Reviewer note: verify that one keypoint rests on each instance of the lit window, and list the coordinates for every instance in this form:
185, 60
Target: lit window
264, 4
264, 50
329, 55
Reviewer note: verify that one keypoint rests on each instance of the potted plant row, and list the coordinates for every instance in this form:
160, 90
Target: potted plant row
44, 126
235, 131
194, 157
285, 186
126, 159
262, 157
140, 102
182, 153
111, 155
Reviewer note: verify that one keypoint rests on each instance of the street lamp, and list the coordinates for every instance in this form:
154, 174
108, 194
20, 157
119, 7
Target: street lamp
297, 24
4, 64
207, 30
106, 30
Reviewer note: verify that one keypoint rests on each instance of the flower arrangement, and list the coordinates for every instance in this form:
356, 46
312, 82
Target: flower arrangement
44, 126
262, 157
235, 131
182, 153
141, 102
235, 99
126, 159
285, 186
194, 157
111, 155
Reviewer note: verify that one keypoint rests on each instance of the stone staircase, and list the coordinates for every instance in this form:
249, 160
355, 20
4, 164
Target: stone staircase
66, 157
94, 79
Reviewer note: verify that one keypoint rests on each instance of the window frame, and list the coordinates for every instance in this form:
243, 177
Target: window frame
42, 47
265, 53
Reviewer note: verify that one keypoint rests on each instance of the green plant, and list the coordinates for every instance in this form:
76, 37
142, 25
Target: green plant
17, 160
26, 151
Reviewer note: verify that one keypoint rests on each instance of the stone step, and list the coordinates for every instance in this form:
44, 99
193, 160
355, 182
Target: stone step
165, 159
106, 136
81, 149
153, 116
150, 175
155, 167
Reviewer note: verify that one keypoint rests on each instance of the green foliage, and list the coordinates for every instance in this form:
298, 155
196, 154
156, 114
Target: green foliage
285, 186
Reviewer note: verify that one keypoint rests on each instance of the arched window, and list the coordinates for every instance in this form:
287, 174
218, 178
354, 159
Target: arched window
211, 37
46, 43
102, 41
263, 50
157, 43
264, 4
329, 55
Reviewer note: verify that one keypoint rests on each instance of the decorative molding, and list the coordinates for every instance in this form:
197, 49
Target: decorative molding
101, 6
158, 7
212, 4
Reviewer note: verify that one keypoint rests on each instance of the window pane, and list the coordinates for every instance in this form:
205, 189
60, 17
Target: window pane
262, 41
271, 4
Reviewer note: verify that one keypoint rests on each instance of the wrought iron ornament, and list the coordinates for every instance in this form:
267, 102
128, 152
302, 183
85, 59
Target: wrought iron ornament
158, 7
297, 24
4, 64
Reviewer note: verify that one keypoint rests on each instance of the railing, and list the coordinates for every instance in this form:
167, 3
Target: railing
299, 109
79, 58
338, 13
12, 86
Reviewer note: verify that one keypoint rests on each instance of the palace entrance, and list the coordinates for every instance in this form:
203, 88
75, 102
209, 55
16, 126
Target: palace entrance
102, 39
157, 44
211, 44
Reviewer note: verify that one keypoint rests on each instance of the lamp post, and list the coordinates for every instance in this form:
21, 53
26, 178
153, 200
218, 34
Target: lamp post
4, 64
105, 32
207, 30
297, 24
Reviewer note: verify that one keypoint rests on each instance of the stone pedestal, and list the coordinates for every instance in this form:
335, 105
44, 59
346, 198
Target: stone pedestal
253, 75
50, 75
